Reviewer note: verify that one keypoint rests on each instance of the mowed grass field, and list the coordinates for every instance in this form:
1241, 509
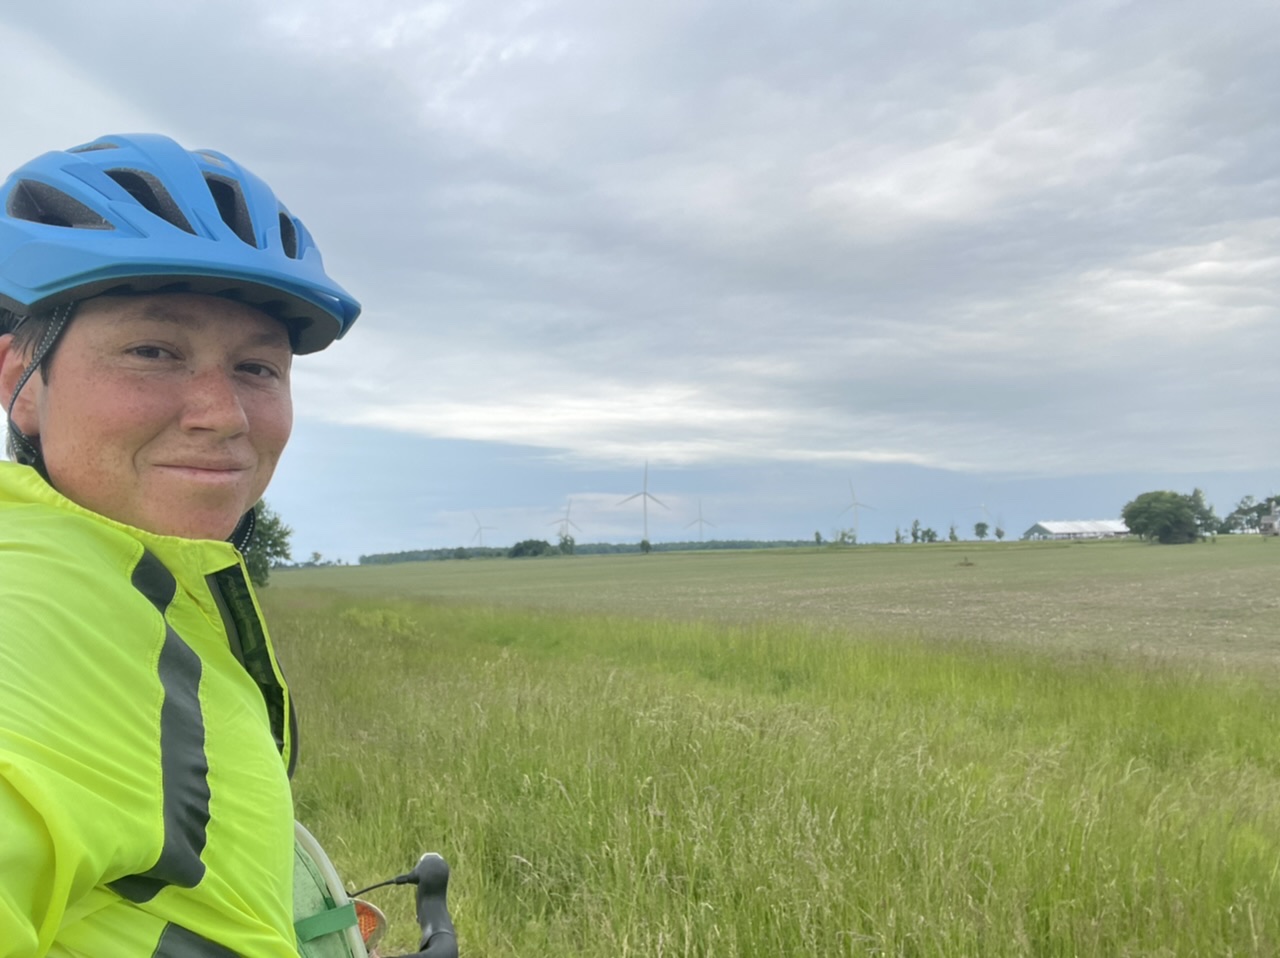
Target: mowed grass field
961, 749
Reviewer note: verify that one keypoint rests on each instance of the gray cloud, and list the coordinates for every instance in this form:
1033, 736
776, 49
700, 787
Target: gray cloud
1010, 237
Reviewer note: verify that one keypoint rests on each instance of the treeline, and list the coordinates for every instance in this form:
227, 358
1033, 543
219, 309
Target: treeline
433, 555
611, 548
586, 548
1173, 517
1247, 515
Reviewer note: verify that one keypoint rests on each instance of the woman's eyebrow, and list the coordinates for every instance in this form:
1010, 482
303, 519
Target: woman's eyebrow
181, 316
272, 338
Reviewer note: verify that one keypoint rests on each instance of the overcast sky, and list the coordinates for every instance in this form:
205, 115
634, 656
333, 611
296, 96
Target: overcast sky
1020, 257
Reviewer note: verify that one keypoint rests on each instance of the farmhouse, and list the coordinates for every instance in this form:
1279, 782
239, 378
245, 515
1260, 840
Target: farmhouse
1269, 525
1077, 529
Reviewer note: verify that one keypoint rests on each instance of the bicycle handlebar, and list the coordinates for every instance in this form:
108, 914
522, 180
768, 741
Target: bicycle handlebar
439, 940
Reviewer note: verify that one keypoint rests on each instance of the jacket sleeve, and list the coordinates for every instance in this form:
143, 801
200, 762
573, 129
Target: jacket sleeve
36, 879
26, 927
79, 769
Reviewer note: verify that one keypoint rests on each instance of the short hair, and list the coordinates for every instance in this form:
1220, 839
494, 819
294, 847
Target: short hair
27, 332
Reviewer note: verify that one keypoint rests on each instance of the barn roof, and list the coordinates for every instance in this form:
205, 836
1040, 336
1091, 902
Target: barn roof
1082, 527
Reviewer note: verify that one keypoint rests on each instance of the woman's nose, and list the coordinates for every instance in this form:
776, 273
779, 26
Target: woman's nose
213, 403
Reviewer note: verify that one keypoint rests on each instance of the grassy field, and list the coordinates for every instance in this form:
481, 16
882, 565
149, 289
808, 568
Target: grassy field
949, 750
1217, 601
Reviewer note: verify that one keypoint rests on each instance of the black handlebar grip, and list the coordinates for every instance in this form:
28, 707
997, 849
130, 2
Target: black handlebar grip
439, 940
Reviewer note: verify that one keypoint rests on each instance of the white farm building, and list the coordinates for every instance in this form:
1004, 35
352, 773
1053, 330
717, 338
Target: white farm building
1077, 529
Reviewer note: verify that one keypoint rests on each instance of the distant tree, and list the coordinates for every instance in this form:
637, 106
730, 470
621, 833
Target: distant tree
567, 543
999, 533
529, 548
646, 546
1163, 516
928, 535
817, 537
1247, 515
270, 543
898, 537
847, 537
460, 553
1207, 522
980, 529
915, 531
952, 536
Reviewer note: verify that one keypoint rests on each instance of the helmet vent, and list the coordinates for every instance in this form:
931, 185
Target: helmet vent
150, 192
231, 206
288, 235
38, 202
94, 148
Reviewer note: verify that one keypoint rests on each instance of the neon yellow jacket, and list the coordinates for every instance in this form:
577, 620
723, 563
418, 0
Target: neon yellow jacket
145, 737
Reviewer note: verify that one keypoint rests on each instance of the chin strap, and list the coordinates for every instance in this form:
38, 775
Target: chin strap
21, 447
244, 530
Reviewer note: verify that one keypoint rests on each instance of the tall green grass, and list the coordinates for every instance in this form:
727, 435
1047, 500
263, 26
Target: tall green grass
620, 787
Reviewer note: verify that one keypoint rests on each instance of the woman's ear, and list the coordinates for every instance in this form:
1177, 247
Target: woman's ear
12, 365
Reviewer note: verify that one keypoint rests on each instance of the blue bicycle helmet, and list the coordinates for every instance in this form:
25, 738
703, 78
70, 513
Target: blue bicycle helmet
138, 213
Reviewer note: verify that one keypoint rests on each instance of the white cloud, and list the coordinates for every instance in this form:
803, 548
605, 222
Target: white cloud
54, 103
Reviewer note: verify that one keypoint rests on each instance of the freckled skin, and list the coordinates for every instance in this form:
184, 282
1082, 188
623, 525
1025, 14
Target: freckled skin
168, 412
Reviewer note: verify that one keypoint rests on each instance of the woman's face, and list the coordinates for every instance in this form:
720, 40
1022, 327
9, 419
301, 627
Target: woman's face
167, 412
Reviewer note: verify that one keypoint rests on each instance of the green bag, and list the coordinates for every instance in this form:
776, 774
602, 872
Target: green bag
323, 916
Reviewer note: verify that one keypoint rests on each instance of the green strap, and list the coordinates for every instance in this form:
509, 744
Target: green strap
334, 919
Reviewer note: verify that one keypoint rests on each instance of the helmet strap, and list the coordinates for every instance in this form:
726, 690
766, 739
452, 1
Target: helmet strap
21, 447
244, 530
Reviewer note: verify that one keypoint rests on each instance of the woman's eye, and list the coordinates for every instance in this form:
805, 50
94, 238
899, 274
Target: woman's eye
149, 352
259, 369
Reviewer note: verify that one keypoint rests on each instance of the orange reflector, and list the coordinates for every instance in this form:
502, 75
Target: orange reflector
372, 922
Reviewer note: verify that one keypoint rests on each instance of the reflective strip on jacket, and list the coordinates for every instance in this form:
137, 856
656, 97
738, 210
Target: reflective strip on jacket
145, 739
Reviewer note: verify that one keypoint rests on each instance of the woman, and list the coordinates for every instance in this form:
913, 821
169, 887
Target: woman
153, 299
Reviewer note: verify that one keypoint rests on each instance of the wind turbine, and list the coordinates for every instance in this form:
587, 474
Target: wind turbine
478, 538
644, 496
700, 522
855, 505
566, 522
